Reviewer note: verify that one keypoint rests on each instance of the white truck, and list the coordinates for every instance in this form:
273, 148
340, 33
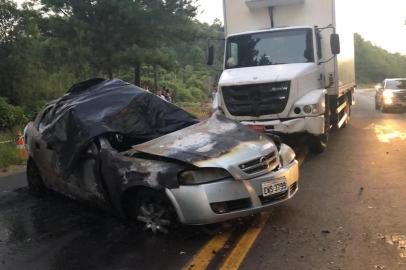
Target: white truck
286, 69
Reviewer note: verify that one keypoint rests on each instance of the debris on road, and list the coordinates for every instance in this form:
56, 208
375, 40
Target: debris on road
398, 240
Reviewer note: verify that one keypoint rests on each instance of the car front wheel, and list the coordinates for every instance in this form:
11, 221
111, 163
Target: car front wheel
153, 210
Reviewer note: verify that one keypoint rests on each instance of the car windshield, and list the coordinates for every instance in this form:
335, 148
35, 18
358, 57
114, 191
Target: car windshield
396, 84
270, 48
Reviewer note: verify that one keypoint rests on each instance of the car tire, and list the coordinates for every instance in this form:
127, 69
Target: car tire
318, 144
35, 182
382, 108
152, 210
376, 104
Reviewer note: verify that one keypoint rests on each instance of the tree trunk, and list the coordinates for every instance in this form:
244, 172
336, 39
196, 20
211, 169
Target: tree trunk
156, 73
137, 74
110, 73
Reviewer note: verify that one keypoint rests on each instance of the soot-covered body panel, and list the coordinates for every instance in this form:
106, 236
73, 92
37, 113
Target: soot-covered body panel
91, 109
207, 140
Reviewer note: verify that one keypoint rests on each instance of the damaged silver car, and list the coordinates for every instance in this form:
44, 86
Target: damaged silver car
116, 146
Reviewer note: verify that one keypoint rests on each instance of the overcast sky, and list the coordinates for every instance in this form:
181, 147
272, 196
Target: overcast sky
382, 22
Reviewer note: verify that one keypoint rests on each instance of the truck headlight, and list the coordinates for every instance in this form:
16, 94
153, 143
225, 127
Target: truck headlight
314, 108
286, 155
201, 176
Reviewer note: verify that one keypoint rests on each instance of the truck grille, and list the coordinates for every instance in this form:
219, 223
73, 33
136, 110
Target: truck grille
256, 99
268, 163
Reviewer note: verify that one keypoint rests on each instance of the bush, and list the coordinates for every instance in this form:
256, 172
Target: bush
9, 154
11, 116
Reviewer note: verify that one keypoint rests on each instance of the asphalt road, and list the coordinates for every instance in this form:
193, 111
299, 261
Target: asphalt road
350, 213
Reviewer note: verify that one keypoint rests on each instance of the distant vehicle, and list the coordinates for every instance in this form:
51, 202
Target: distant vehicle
391, 94
126, 150
285, 69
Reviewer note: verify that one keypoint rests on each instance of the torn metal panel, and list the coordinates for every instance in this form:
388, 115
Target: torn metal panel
210, 143
93, 108
121, 172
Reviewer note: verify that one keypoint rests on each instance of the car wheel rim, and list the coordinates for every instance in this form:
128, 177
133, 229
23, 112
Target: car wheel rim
154, 216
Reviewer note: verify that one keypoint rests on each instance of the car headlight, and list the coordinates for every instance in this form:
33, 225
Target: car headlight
388, 94
201, 176
314, 108
286, 155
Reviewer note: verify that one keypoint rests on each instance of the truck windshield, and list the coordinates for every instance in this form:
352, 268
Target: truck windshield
396, 84
270, 48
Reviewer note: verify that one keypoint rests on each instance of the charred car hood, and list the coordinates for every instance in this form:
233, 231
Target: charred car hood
212, 143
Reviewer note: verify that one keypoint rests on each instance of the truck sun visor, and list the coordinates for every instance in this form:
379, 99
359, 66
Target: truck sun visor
254, 4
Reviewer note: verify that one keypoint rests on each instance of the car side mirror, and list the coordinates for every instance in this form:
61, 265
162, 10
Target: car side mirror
335, 44
210, 56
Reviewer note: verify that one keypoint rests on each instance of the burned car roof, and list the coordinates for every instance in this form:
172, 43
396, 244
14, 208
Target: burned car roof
96, 107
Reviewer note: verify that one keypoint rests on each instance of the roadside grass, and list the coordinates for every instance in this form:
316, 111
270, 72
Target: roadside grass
9, 154
200, 110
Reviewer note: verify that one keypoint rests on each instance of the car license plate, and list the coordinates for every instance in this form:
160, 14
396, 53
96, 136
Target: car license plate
274, 187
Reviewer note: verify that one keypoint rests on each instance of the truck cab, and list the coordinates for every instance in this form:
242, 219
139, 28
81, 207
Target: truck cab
285, 68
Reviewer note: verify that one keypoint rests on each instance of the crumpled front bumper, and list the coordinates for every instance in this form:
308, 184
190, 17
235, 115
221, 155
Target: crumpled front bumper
194, 204
314, 125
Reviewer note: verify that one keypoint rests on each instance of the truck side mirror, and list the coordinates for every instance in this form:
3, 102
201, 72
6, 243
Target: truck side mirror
210, 56
335, 44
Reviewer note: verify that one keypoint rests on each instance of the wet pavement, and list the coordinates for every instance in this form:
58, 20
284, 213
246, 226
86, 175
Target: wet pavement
350, 213
56, 233
351, 203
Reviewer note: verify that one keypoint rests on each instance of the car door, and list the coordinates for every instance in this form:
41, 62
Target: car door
45, 157
85, 182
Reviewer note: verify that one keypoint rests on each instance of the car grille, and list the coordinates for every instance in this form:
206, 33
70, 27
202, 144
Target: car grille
256, 99
401, 95
268, 162
273, 198
230, 206
293, 188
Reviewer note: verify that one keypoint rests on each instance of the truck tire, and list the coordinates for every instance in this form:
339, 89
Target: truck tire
376, 104
318, 144
35, 182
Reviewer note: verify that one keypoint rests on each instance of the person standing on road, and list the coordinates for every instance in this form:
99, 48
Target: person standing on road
167, 94
160, 94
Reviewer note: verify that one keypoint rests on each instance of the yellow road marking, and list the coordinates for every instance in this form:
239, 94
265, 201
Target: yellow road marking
241, 249
202, 259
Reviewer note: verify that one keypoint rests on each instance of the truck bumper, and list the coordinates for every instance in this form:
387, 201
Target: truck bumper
313, 125
195, 205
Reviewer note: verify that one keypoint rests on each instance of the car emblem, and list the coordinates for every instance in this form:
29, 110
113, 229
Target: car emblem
264, 161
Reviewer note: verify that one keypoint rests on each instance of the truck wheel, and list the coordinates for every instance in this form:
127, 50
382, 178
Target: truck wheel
35, 182
376, 104
152, 210
318, 144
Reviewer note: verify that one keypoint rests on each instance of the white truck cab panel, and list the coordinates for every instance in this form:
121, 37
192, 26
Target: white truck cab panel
272, 68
